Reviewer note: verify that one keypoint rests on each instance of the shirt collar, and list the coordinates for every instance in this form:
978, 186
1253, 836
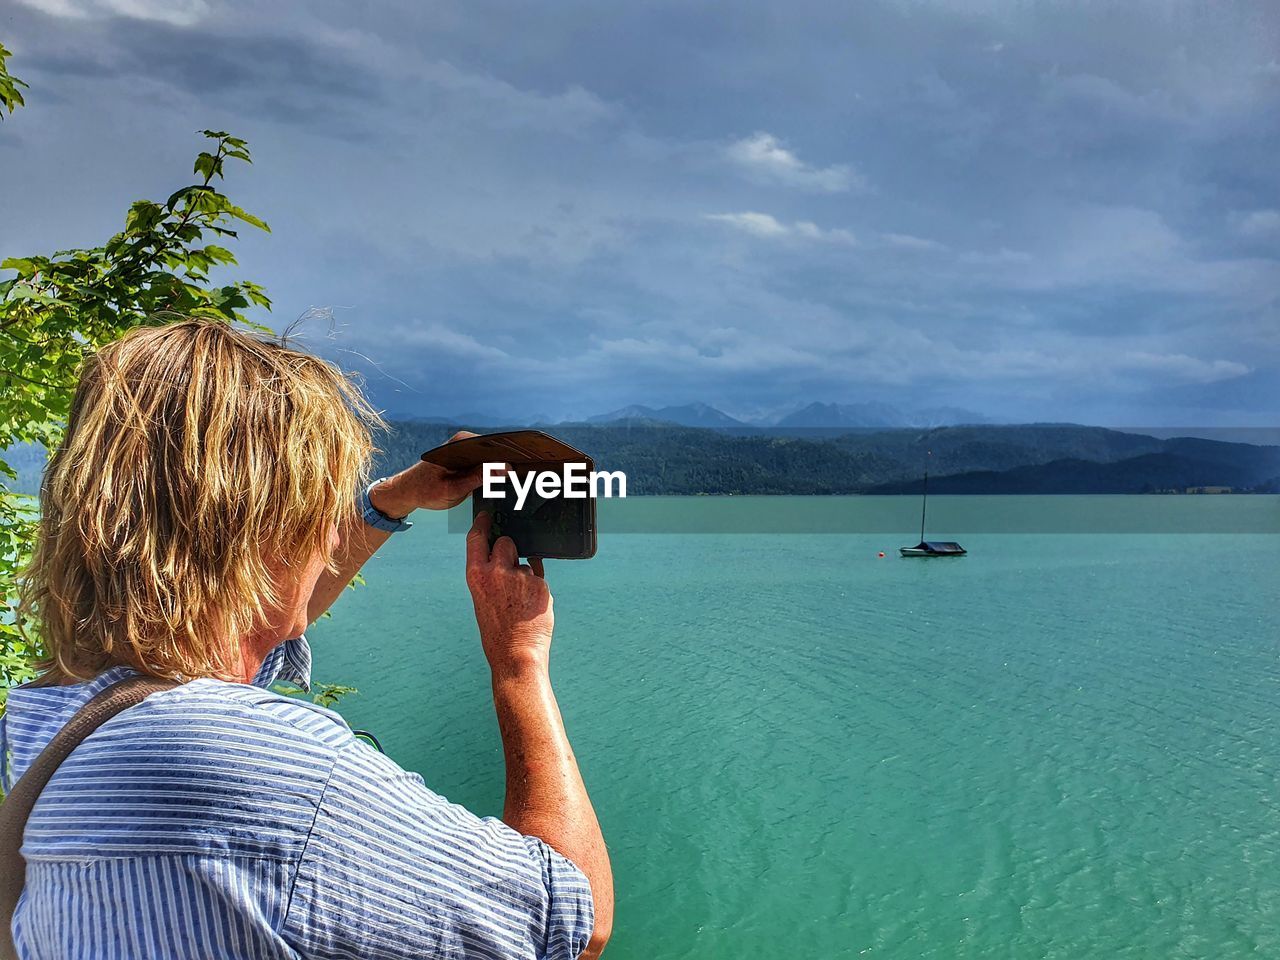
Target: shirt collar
288, 662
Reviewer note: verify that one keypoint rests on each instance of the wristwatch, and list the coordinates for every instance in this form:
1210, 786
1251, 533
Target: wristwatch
375, 517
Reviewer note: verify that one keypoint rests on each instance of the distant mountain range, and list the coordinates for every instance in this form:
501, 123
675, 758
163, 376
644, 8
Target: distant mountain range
809, 416
1163, 472
862, 415
475, 420
688, 415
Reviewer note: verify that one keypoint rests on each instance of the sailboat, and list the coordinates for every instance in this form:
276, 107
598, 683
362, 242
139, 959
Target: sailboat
931, 548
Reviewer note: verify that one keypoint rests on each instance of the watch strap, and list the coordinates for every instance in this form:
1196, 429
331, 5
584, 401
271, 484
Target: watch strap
375, 517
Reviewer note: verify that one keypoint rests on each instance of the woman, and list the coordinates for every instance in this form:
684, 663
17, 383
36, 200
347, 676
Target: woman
209, 502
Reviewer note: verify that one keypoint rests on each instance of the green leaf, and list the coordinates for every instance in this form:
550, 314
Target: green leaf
248, 218
208, 166
24, 265
143, 216
10, 96
179, 195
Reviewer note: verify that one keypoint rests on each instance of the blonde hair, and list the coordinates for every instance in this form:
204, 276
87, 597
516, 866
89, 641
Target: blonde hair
196, 456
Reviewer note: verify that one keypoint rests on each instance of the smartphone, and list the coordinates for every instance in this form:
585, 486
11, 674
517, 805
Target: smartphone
553, 528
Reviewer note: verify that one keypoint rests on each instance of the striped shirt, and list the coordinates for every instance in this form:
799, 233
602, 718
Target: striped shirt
221, 820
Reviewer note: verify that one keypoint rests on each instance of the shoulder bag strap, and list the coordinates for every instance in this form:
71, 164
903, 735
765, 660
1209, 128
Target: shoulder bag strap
17, 804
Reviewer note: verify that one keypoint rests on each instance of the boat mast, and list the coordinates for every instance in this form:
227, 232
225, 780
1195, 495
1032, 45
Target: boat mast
924, 503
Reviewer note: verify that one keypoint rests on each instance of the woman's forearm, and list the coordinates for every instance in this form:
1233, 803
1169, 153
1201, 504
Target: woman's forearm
546, 797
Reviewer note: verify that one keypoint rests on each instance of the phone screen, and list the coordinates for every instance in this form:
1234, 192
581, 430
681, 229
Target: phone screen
556, 528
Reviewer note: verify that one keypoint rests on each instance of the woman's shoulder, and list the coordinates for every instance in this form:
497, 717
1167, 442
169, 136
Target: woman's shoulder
190, 717
258, 705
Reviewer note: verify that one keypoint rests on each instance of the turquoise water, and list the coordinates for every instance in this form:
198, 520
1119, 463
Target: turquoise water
1058, 746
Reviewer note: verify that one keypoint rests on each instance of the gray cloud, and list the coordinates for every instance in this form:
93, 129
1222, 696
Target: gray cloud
1035, 210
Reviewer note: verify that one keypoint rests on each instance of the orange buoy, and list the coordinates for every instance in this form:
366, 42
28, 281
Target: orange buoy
881, 553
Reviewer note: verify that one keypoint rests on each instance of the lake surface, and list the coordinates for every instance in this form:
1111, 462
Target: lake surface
1062, 745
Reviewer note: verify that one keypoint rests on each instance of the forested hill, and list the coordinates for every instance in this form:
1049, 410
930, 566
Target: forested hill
1034, 458
688, 460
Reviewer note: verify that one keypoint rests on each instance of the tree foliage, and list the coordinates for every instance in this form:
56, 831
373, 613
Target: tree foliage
10, 86
56, 309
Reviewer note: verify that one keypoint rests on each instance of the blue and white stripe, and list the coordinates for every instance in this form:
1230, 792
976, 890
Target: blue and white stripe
221, 820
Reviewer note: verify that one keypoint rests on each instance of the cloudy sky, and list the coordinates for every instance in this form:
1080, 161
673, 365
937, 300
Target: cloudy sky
1064, 211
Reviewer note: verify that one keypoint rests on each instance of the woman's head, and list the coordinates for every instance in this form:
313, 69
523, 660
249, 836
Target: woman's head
202, 477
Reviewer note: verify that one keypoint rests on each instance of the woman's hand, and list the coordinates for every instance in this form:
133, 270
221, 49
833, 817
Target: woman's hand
426, 486
514, 608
